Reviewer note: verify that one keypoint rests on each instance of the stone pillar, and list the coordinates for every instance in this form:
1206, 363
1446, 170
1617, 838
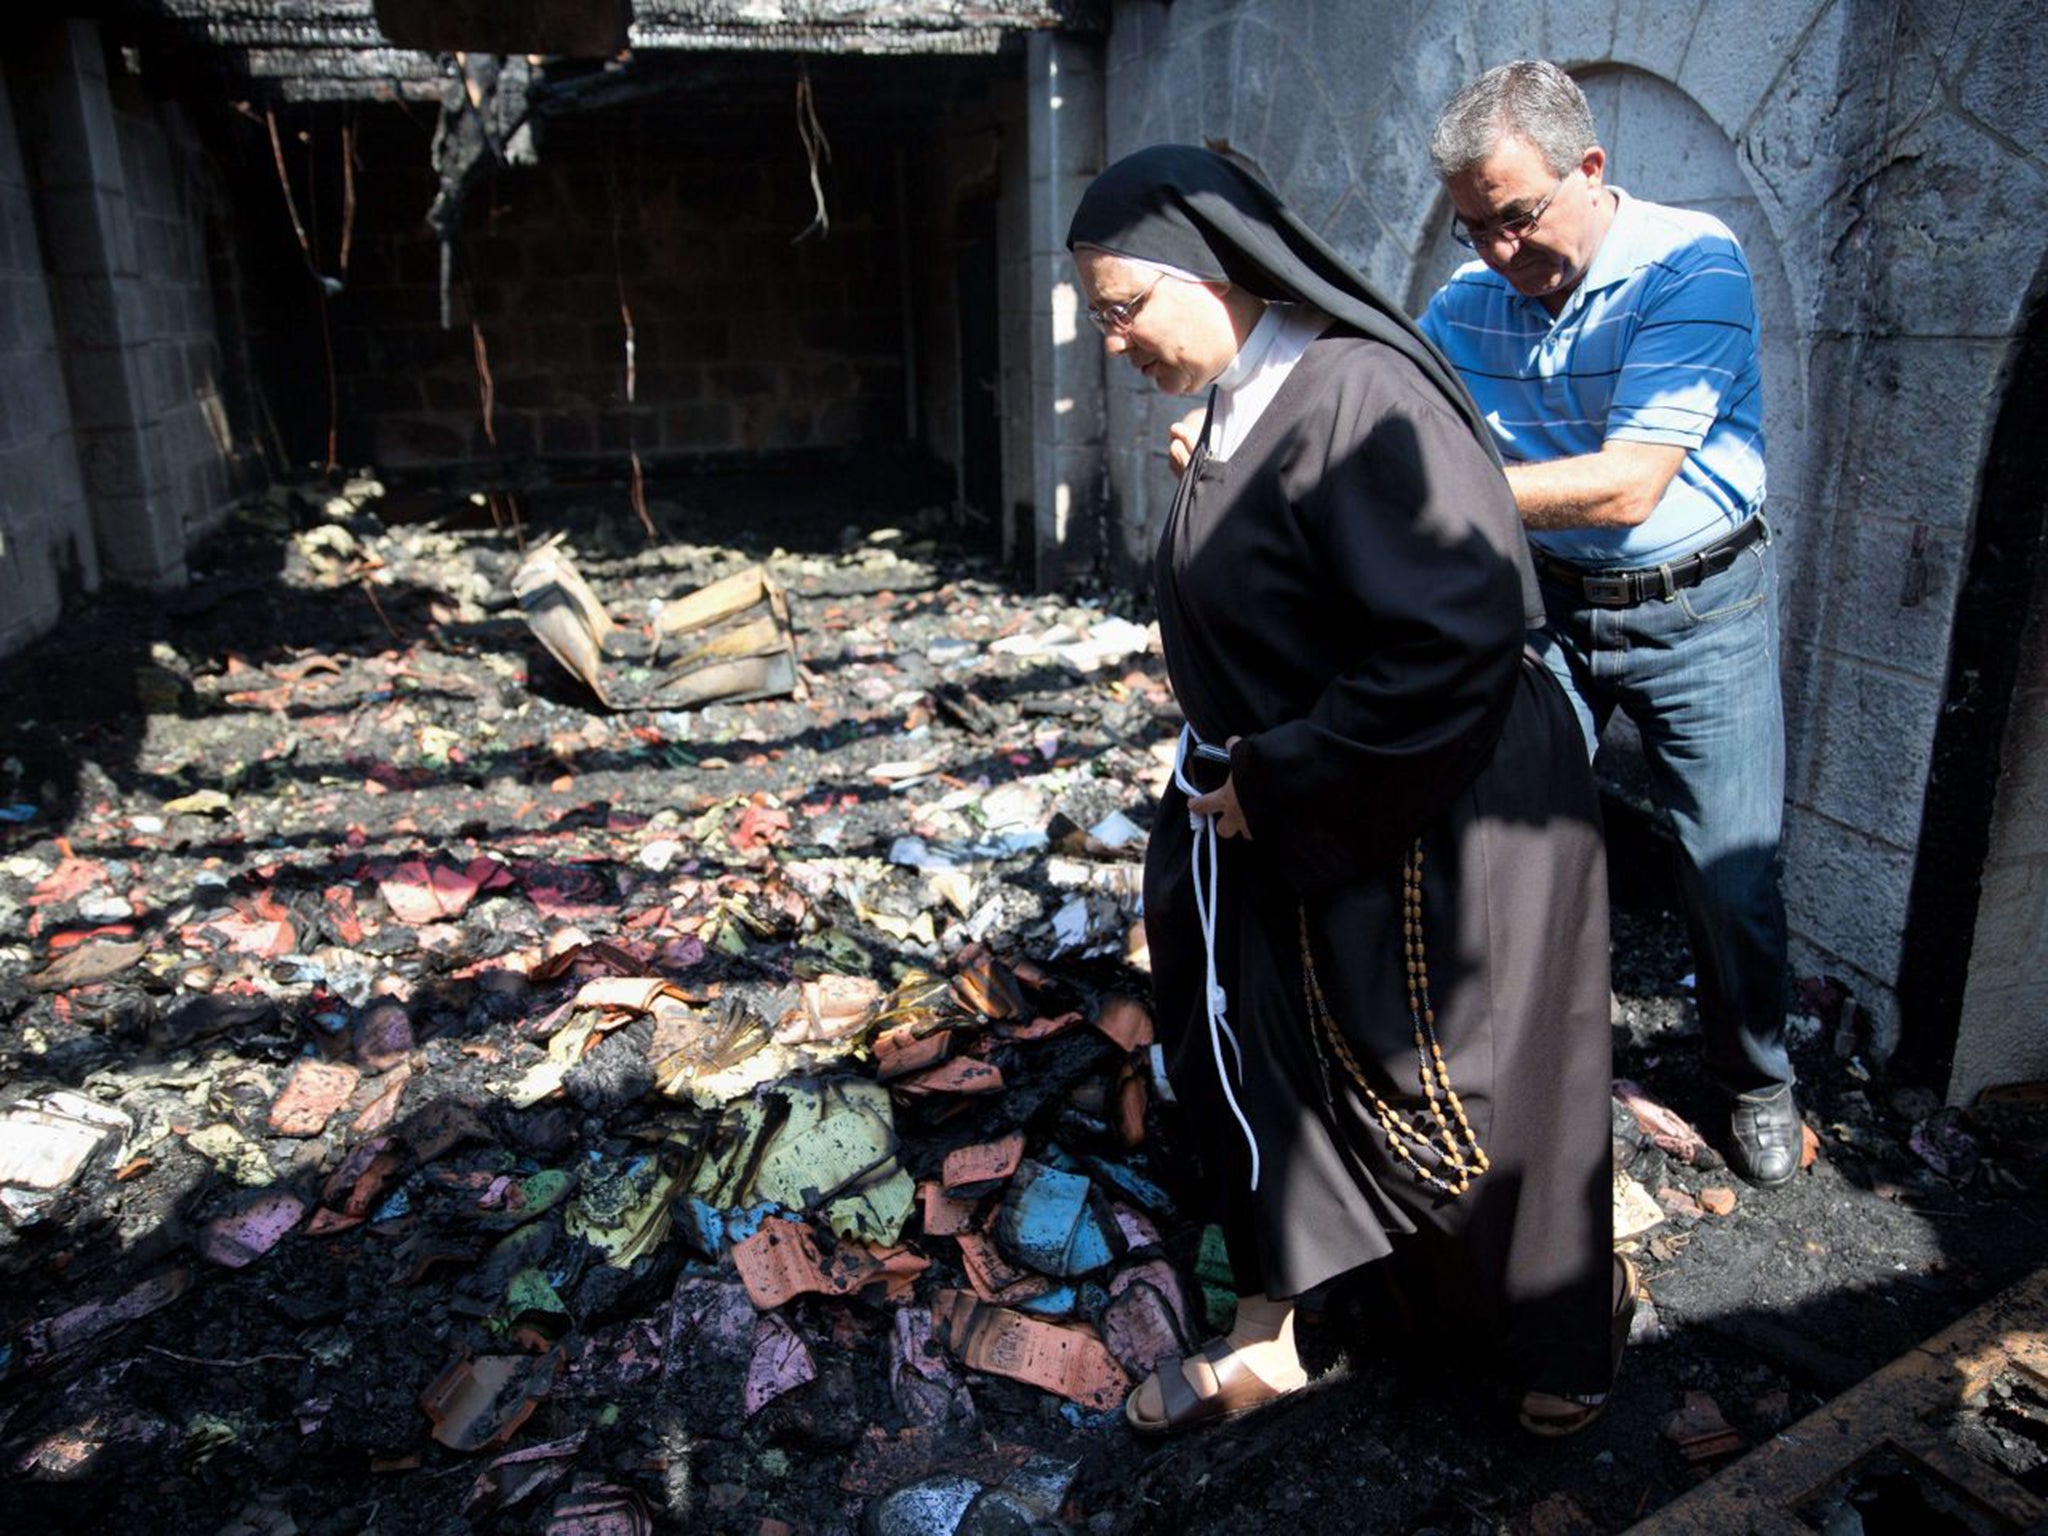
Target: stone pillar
1064, 80
46, 542
90, 245
1016, 326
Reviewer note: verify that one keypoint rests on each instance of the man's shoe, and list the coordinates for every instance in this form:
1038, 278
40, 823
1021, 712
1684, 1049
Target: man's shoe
1765, 1136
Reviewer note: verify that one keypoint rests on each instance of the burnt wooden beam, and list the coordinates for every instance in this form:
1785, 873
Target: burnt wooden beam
575, 29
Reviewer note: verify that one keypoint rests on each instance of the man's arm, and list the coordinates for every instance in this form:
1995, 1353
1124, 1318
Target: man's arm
1617, 487
1692, 351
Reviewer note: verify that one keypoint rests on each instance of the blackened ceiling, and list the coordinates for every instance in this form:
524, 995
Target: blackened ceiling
334, 50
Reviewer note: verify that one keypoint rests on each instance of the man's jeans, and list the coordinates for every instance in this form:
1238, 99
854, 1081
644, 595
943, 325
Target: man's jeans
1698, 674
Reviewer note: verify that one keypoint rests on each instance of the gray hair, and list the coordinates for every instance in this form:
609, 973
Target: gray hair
1527, 99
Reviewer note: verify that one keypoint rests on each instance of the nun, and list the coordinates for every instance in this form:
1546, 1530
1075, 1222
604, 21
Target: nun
1375, 891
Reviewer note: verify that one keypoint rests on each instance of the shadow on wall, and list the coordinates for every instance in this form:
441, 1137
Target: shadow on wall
1970, 987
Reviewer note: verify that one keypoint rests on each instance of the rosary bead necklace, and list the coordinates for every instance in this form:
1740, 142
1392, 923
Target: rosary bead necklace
1456, 1152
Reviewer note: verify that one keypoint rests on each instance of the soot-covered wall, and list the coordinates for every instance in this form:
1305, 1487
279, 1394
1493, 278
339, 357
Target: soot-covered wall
746, 341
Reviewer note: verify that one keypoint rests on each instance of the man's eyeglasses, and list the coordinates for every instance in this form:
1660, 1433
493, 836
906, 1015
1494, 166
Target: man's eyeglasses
1118, 317
1514, 230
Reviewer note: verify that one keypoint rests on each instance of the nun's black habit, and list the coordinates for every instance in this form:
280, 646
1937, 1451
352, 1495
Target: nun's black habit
1349, 596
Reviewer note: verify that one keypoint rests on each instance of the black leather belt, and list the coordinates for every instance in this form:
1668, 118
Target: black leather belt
1638, 584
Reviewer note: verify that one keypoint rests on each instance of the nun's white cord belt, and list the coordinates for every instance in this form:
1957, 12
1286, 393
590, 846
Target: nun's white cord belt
1202, 868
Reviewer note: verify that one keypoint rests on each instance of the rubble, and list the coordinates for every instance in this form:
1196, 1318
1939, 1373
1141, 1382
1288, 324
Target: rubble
434, 1099
1670, 1131
1699, 1431
482, 1402
45, 1146
728, 642
238, 1240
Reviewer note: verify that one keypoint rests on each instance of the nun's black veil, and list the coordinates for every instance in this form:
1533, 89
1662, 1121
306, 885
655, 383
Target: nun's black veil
1187, 207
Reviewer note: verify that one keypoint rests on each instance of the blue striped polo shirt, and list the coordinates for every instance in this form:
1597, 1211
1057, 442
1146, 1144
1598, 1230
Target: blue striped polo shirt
1657, 344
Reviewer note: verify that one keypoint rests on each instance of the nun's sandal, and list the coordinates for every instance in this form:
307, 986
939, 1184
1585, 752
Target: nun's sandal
1556, 1414
1230, 1388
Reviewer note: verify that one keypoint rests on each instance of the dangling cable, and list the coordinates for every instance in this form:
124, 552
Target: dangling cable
639, 483
324, 286
1215, 1002
348, 194
812, 133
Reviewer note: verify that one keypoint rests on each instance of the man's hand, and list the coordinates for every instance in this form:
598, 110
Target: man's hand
1615, 488
1181, 438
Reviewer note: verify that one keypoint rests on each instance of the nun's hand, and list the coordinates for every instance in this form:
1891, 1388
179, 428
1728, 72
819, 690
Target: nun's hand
1181, 438
1221, 803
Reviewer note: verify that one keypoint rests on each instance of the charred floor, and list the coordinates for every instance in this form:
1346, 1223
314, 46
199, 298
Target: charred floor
436, 1102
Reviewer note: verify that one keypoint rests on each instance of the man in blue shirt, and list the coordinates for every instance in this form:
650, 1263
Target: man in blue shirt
1612, 346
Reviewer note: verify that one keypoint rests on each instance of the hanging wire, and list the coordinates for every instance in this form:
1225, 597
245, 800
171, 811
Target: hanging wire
504, 505
487, 388
291, 203
638, 488
348, 191
816, 148
324, 286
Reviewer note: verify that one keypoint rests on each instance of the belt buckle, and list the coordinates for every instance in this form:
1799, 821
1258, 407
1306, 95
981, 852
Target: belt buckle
1609, 591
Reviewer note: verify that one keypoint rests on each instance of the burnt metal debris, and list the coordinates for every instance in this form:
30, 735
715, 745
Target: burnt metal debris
1951, 1436
431, 1101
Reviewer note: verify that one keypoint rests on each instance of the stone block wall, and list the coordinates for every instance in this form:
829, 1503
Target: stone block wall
744, 341
1018, 415
178, 343
1922, 236
1064, 90
116, 182
46, 546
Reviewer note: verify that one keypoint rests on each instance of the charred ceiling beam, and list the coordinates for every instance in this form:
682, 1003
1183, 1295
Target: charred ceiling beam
341, 64
804, 39
575, 29
281, 51
367, 49
275, 32
484, 61
325, 90
868, 15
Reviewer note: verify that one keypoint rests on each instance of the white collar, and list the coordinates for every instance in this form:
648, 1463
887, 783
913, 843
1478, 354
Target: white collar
1248, 385
1265, 331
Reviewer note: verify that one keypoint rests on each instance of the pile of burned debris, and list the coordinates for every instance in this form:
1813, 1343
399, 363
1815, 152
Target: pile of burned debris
440, 1055
447, 1081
